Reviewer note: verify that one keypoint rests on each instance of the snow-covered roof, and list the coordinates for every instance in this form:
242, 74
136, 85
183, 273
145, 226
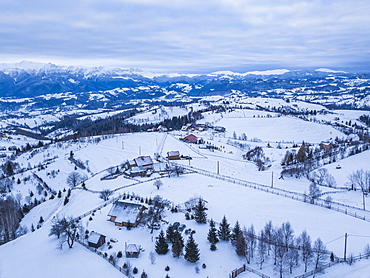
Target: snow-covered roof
137, 169
173, 153
133, 248
125, 211
143, 161
94, 237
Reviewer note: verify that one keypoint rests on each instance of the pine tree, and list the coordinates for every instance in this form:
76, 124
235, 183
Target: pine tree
66, 200
161, 246
224, 230
199, 212
212, 233
177, 245
170, 234
235, 233
240, 245
191, 250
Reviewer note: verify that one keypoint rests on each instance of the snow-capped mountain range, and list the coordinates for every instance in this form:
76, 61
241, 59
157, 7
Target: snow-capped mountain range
47, 85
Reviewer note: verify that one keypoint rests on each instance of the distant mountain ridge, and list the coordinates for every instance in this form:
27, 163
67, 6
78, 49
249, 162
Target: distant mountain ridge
49, 85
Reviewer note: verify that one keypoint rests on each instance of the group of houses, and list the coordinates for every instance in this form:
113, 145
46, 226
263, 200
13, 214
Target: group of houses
144, 166
202, 127
123, 213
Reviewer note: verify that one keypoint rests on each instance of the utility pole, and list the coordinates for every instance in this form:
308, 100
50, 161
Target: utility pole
139, 150
363, 198
218, 167
345, 246
123, 146
272, 179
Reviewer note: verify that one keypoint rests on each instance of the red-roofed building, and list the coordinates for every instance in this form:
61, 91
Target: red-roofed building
191, 138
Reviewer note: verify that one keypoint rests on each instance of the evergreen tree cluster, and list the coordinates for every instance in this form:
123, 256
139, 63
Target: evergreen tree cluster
174, 237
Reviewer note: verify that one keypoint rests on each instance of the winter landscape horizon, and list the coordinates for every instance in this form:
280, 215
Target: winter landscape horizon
185, 139
114, 172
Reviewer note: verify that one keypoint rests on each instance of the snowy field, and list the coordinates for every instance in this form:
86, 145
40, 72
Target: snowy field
236, 202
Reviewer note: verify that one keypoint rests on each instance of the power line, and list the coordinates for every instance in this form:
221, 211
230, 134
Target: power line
358, 235
334, 240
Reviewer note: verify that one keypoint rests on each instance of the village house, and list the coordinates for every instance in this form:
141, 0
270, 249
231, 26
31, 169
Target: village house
95, 240
326, 145
173, 155
191, 138
124, 213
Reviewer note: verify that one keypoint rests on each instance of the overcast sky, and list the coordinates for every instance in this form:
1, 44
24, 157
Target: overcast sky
188, 36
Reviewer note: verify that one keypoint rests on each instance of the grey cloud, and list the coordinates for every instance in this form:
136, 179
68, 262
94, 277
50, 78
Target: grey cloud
187, 36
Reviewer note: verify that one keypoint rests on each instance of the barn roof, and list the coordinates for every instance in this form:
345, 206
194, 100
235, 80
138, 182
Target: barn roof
125, 211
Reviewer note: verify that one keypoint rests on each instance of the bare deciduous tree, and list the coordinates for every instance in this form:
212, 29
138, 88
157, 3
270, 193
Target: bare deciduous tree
9, 218
66, 229
74, 179
306, 249
158, 183
105, 194
361, 179
314, 192
320, 251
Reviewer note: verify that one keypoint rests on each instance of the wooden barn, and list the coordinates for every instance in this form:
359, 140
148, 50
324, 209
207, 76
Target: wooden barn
125, 213
95, 240
173, 155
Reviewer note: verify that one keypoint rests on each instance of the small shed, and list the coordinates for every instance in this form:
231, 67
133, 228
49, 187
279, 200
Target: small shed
191, 138
173, 155
95, 240
132, 250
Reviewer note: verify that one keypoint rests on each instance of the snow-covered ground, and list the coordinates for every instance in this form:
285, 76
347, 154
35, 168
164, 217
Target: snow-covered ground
36, 254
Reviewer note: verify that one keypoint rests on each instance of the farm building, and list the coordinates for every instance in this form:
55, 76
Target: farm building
125, 213
95, 239
143, 161
132, 250
173, 155
191, 138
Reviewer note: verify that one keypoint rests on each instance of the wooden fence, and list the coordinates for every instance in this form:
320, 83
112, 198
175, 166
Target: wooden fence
339, 207
243, 268
123, 270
